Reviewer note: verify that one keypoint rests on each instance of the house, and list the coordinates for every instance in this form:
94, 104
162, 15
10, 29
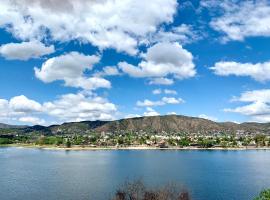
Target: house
162, 144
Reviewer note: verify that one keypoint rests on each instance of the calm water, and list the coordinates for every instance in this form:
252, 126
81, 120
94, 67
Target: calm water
209, 175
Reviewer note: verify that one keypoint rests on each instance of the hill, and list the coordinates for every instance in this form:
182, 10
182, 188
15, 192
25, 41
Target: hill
154, 124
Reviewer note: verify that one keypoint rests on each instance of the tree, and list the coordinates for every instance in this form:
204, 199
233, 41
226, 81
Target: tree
5, 141
264, 195
68, 143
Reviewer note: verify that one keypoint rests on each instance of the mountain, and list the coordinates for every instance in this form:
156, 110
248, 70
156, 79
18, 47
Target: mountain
7, 126
154, 124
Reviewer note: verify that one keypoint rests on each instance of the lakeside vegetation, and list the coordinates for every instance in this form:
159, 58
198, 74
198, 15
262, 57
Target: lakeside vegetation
130, 139
137, 190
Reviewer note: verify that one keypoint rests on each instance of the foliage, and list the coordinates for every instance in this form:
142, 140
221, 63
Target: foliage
49, 140
68, 143
138, 191
264, 195
5, 141
206, 143
184, 142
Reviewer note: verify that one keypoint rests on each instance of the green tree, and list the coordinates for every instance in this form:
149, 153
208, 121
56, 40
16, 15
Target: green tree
120, 140
264, 195
5, 141
68, 143
184, 142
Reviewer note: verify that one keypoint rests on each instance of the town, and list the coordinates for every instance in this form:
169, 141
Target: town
140, 139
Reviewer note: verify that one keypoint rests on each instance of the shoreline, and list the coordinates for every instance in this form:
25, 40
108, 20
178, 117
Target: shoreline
140, 147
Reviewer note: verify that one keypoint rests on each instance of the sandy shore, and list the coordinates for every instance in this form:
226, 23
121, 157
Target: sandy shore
141, 147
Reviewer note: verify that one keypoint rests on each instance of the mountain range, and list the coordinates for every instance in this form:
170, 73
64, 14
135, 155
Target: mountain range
153, 124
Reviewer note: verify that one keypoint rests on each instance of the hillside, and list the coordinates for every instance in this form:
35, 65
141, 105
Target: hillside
155, 124
7, 126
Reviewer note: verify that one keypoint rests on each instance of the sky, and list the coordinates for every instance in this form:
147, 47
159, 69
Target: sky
63, 61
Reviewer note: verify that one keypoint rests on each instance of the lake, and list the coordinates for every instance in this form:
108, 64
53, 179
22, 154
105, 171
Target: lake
57, 174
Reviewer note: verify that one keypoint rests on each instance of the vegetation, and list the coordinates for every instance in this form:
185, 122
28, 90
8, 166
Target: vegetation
138, 191
5, 141
264, 195
125, 139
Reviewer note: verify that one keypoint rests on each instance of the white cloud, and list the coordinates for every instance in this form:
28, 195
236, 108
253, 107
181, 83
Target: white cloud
4, 110
32, 120
161, 81
21, 104
70, 68
183, 34
150, 112
172, 100
165, 91
146, 103
171, 113
157, 91
18, 107
259, 71
108, 71
25, 50
69, 107
132, 116
204, 116
80, 107
257, 105
242, 19
161, 60
115, 24
163, 101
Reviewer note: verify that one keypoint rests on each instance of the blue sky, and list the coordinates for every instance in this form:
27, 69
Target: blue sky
106, 60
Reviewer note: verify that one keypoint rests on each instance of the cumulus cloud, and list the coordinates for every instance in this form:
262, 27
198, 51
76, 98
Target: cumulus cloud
117, 24
68, 107
161, 81
79, 107
25, 50
150, 112
204, 116
108, 71
256, 105
18, 107
172, 100
70, 68
240, 19
171, 113
163, 101
259, 71
183, 34
4, 110
161, 60
32, 120
21, 104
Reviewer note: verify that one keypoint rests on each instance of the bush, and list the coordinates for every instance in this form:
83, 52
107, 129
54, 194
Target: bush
5, 141
138, 191
68, 143
264, 195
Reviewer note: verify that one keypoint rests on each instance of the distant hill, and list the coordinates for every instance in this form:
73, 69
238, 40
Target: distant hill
2, 126
155, 124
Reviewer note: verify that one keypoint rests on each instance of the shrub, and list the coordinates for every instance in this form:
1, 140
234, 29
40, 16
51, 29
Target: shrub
138, 191
5, 141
